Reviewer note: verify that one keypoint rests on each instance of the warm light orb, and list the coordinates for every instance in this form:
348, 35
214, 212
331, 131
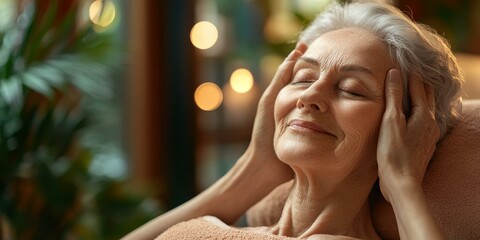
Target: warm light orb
311, 8
102, 13
208, 96
204, 35
281, 27
241, 80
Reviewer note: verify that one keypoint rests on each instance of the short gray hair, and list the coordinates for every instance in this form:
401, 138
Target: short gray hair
415, 47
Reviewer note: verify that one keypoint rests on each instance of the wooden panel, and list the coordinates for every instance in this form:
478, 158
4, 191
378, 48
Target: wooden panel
160, 85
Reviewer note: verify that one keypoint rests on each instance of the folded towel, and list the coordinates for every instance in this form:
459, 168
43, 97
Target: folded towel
201, 228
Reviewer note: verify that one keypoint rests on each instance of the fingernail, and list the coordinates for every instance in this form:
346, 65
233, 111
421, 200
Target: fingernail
393, 79
294, 53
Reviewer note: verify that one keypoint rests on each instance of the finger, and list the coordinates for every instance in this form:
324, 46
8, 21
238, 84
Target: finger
417, 92
285, 70
393, 92
430, 98
299, 50
302, 47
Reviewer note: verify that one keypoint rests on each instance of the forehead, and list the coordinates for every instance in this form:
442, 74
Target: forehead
351, 46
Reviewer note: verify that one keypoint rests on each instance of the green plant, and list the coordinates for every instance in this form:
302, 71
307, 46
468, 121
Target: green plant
51, 68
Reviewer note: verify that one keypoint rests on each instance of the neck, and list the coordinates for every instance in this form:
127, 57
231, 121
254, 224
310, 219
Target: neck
340, 207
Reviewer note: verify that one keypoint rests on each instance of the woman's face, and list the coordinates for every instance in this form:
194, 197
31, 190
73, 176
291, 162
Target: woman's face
330, 113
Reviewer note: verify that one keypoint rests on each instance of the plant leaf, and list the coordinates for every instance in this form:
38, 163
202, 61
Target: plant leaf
11, 90
36, 83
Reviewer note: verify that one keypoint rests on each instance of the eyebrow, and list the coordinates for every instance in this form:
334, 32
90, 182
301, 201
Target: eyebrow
344, 68
310, 60
356, 68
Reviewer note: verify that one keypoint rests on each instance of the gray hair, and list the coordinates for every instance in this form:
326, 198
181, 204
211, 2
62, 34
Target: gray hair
415, 47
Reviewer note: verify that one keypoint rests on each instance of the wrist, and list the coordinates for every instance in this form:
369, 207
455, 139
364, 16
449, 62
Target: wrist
401, 186
239, 189
414, 219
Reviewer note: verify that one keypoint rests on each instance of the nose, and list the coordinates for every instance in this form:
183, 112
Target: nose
313, 99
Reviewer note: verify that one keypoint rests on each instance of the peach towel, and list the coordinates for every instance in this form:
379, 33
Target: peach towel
201, 228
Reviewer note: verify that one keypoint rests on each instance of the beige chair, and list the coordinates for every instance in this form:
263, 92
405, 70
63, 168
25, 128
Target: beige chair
452, 186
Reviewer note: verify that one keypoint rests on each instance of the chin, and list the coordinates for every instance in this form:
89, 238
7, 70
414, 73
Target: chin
298, 154
304, 144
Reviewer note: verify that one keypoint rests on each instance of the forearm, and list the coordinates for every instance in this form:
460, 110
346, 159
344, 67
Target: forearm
413, 216
227, 199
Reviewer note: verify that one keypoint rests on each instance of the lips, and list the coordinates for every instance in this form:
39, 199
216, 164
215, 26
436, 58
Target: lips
307, 126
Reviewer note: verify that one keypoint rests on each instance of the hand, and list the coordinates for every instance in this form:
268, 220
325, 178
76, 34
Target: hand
405, 145
261, 144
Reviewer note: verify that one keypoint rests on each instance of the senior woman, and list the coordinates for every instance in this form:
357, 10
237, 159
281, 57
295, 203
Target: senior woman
367, 99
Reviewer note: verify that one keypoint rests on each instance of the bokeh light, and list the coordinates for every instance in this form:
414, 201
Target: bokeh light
204, 35
311, 8
241, 80
281, 27
208, 96
102, 13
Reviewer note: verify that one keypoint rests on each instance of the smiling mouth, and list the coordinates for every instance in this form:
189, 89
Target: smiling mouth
306, 126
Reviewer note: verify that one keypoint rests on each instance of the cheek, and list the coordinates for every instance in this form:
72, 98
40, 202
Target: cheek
365, 119
284, 104
361, 127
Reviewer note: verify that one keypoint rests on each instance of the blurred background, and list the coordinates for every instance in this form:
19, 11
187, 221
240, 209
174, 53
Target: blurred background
114, 111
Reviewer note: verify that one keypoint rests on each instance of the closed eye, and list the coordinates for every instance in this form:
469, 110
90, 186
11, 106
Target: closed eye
304, 76
349, 93
302, 82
